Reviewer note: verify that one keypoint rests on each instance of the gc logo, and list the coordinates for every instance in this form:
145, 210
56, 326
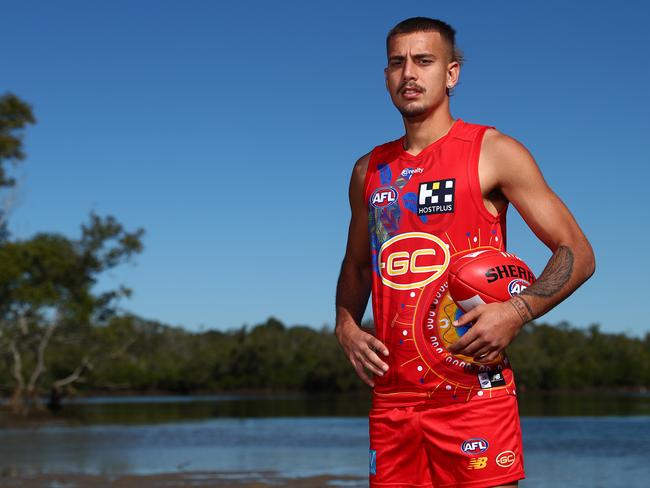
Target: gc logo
412, 260
506, 459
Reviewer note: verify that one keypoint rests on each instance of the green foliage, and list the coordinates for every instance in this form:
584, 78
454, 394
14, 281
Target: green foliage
561, 357
49, 310
275, 358
14, 116
52, 272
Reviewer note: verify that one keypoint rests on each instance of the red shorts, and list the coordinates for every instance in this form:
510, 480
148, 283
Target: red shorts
476, 444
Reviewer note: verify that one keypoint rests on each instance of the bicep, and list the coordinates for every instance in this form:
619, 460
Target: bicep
522, 183
358, 245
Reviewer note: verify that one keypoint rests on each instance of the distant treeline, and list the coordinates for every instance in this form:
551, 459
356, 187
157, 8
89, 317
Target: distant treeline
274, 357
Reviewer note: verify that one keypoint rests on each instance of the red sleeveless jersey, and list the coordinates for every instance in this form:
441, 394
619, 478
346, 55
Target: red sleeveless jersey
423, 211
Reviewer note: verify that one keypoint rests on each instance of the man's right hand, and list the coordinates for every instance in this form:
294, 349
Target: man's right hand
360, 347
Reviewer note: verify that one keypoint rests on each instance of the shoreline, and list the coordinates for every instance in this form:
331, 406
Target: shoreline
241, 479
121, 393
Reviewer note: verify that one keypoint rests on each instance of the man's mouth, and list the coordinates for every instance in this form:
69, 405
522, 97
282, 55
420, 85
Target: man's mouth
411, 92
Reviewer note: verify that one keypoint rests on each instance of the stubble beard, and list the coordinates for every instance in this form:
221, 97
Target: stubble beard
413, 110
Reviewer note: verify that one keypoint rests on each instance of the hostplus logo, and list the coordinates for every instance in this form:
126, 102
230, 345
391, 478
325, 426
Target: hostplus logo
436, 197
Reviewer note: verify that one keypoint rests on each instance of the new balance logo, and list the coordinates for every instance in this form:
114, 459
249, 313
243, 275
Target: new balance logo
477, 463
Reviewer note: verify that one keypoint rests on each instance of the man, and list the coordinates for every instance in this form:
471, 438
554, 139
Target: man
444, 409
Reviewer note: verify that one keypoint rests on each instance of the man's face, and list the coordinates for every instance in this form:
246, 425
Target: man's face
419, 71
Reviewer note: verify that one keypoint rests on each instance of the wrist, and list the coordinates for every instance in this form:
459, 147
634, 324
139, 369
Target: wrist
522, 310
343, 325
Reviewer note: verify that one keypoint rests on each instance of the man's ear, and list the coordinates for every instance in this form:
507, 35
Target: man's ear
453, 74
386, 77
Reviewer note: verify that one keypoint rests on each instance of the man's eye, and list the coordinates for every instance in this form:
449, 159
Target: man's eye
426, 61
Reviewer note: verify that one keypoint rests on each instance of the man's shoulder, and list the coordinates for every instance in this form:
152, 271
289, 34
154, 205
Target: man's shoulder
379, 151
361, 166
498, 145
384, 149
388, 145
490, 130
504, 156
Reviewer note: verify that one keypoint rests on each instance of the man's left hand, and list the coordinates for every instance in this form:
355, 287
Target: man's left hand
495, 327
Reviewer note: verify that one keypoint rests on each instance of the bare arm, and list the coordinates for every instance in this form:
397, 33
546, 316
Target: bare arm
354, 284
355, 279
572, 262
518, 178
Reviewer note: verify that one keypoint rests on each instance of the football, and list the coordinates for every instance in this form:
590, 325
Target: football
486, 276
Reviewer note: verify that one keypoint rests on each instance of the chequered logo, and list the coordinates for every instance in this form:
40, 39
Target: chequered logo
435, 197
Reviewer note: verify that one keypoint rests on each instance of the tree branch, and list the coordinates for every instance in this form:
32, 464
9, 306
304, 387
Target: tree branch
40, 356
75, 375
17, 369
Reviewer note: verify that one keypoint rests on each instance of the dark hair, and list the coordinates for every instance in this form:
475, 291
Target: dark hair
425, 24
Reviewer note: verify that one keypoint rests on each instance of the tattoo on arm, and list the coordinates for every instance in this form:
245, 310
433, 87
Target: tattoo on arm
522, 308
555, 275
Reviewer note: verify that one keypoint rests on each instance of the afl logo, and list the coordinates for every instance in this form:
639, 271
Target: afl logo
515, 287
383, 197
412, 260
475, 446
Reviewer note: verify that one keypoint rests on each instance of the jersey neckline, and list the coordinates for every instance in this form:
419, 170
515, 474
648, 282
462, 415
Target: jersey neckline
406, 155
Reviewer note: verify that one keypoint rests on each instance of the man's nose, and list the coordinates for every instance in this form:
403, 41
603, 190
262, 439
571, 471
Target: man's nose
409, 72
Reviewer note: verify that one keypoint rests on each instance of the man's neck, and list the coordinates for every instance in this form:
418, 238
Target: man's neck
422, 132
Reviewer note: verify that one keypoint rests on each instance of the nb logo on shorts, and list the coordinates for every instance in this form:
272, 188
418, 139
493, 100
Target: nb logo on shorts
477, 463
373, 461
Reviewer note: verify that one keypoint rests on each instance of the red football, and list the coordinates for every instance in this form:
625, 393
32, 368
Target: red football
486, 276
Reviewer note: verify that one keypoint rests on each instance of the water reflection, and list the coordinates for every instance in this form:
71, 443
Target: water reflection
155, 410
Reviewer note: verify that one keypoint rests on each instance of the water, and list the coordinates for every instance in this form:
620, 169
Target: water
586, 451
296, 436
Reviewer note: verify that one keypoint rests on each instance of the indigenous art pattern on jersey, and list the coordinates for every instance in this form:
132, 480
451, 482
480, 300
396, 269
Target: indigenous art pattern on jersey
423, 212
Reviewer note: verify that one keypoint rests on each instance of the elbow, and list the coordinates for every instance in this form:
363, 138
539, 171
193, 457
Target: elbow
582, 259
590, 262
592, 265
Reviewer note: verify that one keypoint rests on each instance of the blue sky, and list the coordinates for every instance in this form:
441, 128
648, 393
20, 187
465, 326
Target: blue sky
229, 130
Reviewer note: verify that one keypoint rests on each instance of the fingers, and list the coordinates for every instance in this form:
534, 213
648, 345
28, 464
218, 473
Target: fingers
468, 317
462, 344
358, 367
361, 353
483, 351
365, 360
488, 357
477, 347
484, 341
376, 345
